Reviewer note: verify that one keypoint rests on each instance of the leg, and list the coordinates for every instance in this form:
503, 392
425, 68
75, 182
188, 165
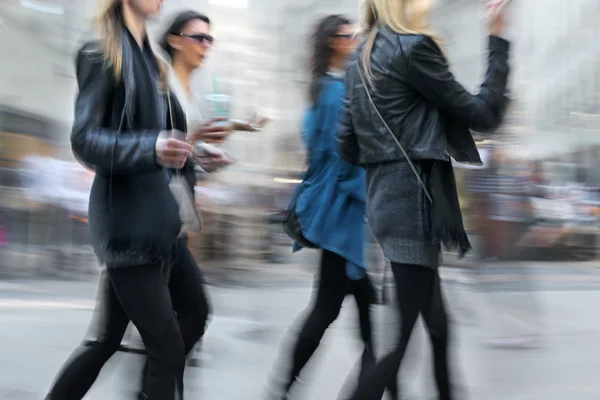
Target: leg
144, 295
412, 291
84, 365
364, 295
189, 296
436, 321
186, 286
328, 301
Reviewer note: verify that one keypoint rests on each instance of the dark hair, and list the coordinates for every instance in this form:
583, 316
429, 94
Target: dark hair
322, 51
177, 25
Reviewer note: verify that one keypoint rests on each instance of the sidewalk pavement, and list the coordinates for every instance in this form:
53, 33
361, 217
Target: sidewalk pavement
42, 321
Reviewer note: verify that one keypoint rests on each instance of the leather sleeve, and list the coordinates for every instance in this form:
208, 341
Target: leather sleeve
346, 140
98, 147
430, 75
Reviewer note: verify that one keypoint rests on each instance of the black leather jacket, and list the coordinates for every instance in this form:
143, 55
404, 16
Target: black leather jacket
427, 110
133, 216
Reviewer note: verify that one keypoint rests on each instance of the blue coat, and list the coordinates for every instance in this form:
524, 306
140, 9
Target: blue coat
331, 200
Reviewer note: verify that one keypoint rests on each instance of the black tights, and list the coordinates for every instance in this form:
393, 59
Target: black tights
171, 318
418, 291
333, 286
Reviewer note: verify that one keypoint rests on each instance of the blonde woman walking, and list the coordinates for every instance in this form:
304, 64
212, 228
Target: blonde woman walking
130, 132
404, 118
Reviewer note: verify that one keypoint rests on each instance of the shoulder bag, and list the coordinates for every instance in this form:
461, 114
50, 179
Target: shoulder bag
188, 214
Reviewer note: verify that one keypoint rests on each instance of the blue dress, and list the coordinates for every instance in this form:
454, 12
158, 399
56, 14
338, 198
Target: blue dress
331, 200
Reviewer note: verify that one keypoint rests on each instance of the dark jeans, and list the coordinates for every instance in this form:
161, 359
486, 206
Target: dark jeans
418, 291
333, 286
171, 317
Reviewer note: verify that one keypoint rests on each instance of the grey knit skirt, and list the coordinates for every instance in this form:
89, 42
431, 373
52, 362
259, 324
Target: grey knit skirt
399, 213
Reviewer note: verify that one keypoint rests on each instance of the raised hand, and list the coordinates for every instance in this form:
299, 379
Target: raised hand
496, 14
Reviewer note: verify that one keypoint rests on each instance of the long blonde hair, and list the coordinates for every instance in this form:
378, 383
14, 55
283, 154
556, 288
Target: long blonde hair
401, 16
109, 26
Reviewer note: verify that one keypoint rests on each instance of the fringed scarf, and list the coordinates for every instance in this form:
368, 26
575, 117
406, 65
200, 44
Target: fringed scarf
446, 216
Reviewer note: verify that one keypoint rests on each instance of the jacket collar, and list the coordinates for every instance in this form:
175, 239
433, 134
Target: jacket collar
127, 73
128, 77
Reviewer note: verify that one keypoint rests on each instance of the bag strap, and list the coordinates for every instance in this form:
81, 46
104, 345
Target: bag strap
362, 78
170, 110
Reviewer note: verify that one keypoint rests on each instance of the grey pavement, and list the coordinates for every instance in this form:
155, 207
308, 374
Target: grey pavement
41, 321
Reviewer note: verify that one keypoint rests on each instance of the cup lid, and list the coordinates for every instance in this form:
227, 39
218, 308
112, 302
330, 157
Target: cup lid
218, 97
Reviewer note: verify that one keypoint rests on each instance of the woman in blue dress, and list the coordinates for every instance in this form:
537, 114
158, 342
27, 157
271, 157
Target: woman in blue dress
331, 203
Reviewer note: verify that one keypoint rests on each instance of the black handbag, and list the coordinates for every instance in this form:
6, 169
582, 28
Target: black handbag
291, 224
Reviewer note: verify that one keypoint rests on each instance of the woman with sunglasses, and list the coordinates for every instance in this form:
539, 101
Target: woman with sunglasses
331, 203
187, 42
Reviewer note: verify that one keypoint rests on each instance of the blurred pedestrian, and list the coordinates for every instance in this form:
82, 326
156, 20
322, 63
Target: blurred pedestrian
404, 116
330, 206
187, 42
505, 218
128, 128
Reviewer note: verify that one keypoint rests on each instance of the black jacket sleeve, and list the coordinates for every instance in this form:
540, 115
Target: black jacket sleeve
429, 74
96, 146
347, 142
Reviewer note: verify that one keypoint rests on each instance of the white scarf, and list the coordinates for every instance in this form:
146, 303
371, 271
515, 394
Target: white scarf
337, 73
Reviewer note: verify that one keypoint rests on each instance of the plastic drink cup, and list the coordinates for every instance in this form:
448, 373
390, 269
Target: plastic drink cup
219, 107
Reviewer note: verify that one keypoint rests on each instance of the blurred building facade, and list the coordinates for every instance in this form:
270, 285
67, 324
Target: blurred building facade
555, 77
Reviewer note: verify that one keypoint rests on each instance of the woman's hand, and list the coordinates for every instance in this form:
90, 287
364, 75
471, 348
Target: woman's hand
256, 123
172, 152
214, 162
210, 133
496, 12
211, 158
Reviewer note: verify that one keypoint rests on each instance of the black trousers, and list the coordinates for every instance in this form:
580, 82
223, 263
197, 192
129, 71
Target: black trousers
418, 291
333, 286
170, 316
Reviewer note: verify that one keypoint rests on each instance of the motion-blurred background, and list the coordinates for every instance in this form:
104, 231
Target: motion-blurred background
545, 232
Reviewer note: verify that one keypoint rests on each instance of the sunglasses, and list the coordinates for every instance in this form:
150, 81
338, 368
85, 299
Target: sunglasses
345, 35
201, 38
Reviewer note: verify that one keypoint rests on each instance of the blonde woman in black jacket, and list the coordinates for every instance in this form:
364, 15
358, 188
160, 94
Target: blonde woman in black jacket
126, 129
404, 117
